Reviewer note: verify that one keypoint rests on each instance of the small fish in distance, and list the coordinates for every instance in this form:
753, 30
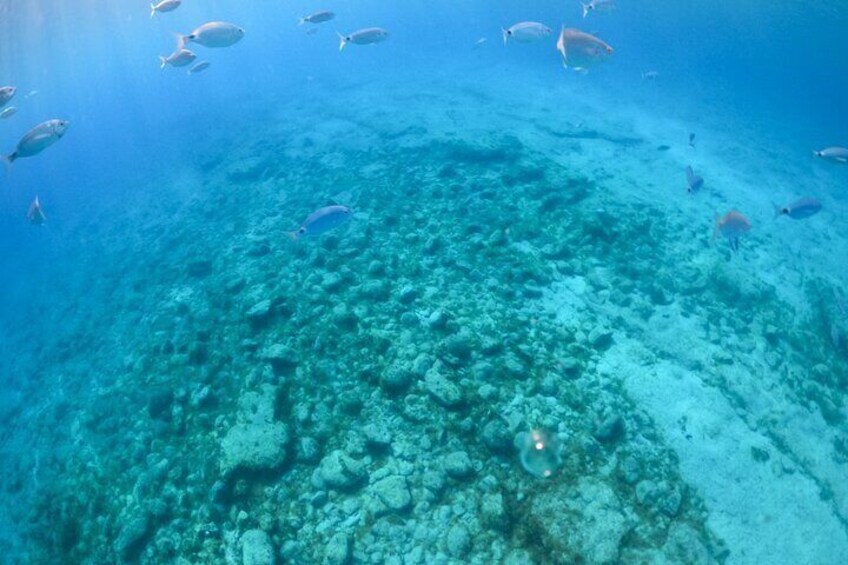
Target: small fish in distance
199, 67
526, 32
581, 50
6, 94
38, 139
598, 6
35, 214
366, 36
317, 17
8, 112
691, 140
650, 75
214, 35
837, 155
694, 181
179, 58
322, 220
164, 6
798, 210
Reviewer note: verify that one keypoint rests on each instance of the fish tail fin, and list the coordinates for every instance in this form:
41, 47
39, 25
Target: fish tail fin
586, 8
301, 21
9, 159
342, 41
152, 9
162, 62
778, 210
181, 40
505, 33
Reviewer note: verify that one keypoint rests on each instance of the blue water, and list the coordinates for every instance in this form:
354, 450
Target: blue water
436, 142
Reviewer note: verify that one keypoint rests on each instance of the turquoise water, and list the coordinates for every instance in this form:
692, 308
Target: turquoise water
525, 346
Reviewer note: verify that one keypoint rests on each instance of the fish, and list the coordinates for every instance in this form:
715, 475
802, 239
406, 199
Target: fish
8, 112
598, 6
691, 140
663, 147
179, 58
213, 34
731, 226
526, 32
650, 75
38, 139
35, 214
322, 220
365, 36
800, 209
317, 17
164, 6
199, 67
695, 182
837, 155
479, 43
6, 94
581, 50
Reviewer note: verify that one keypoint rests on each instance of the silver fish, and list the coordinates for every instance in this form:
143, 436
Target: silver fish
179, 58
526, 32
800, 209
38, 139
8, 112
366, 36
833, 154
164, 6
317, 17
581, 50
199, 67
322, 220
214, 34
6, 94
598, 6
694, 181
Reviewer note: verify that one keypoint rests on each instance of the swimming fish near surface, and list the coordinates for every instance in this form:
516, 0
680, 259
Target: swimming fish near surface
164, 6
322, 220
199, 67
317, 17
731, 226
833, 154
526, 32
38, 139
35, 214
213, 34
179, 58
8, 112
694, 181
598, 6
366, 36
798, 210
581, 50
6, 94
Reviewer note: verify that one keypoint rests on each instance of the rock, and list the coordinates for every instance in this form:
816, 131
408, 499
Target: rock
407, 294
258, 446
341, 472
199, 268
441, 389
378, 438
396, 378
459, 541
332, 282
131, 537
610, 430
376, 290
496, 436
281, 357
259, 312
493, 512
393, 493
434, 481
581, 522
437, 320
458, 347
458, 465
256, 548
600, 337
338, 550
308, 450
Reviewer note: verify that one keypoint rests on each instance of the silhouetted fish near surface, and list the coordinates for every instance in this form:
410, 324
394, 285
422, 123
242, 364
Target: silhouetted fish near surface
731, 226
366, 36
526, 32
164, 6
317, 17
598, 6
35, 214
213, 34
800, 209
6, 94
179, 58
834, 155
322, 220
581, 50
694, 181
38, 139
199, 67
